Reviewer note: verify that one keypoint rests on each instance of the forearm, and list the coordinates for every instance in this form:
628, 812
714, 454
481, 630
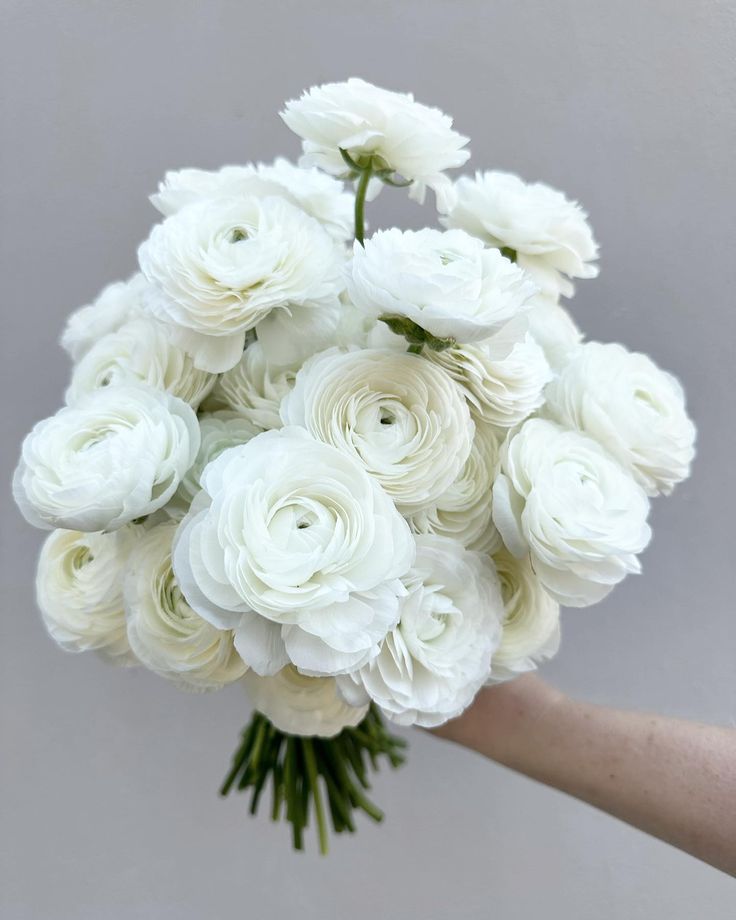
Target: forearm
675, 780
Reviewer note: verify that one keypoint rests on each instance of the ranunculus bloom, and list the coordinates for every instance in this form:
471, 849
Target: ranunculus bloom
297, 548
115, 456
561, 497
549, 233
302, 705
166, 635
503, 377
447, 283
221, 265
434, 661
140, 351
79, 590
531, 619
218, 431
402, 417
388, 128
463, 511
553, 329
317, 194
115, 305
254, 388
631, 407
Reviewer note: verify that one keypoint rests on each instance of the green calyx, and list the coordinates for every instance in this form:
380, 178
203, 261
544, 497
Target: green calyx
415, 335
313, 776
365, 168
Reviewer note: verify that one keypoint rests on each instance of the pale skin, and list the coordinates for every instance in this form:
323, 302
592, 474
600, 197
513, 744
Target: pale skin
673, 779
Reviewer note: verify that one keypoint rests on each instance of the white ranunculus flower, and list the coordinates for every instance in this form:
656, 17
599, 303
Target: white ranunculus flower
561, 497
549, 233
503, 377
463, 511
79, 590
140, 351
221, 265
402, 417
447, 283
164, 632
301, 705
554, 330
115, 305
218, 431
531, 620
115, 456
319, 195
631, 407
254, 388
373, 124
292, 544
435, 660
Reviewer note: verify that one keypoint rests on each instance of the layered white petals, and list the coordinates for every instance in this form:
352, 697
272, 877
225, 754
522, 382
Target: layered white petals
140, 351
79, 590
220, 266
254, 388
400, 416
464, 511
115, 305
549, 233
531, 619
115, 456
218, 432
433, 662
447, 283
582, 517
371, 123
554, 330
165, 634
302, 705
317, 194
503, 377
632, 408
296, 547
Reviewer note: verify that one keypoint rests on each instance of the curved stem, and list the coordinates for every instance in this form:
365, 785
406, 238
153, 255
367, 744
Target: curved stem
360, 193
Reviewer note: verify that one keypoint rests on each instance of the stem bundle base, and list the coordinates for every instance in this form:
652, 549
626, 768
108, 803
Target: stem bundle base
313, 776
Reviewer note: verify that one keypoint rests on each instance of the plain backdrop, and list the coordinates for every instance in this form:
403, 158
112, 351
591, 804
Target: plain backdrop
109, 778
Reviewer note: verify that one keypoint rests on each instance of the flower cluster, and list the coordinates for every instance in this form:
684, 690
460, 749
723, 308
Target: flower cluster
357, 476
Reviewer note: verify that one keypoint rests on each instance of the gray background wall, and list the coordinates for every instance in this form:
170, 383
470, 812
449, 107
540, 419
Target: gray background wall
108, 778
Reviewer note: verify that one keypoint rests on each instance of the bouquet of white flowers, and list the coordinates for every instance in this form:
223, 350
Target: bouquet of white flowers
356, 475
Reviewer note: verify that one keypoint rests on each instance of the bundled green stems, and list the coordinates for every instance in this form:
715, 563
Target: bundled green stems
313, 776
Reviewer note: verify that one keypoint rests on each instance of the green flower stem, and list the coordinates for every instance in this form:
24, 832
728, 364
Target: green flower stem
328, 777
360, 193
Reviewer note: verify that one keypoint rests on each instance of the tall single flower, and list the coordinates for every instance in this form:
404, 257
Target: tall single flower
548, 234
166, 635
631, 407
319, 195
302, 705
401, 417
79, 590
115, 456
447, 283
566, 501
375, 125
438, 656
220, 266
292, 544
